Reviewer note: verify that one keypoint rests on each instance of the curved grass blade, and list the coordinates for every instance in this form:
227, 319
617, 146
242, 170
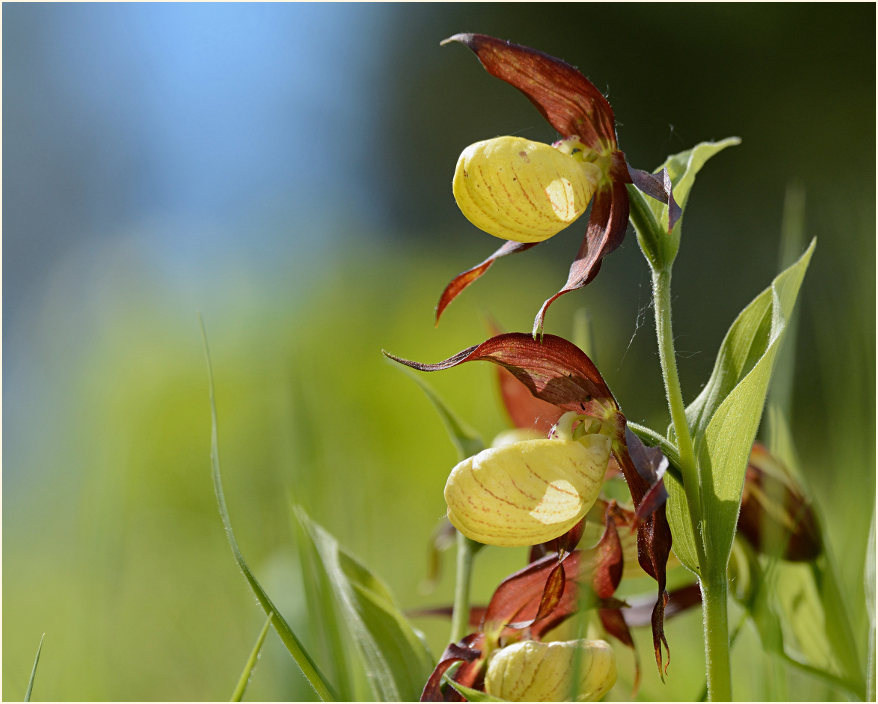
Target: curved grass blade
251, 663
466, 440
33, 672
392, 652
306, 664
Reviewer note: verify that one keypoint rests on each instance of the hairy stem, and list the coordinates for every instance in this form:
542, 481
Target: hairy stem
714, 601
661, 294
714, 587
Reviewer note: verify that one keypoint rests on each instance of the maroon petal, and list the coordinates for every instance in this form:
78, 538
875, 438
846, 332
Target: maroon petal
519, 597
650, 465
658, 186
566, 98
464, 279
640, 467
606, 230
468, 651
553, 369
525, 410
553, 591
546, 592
608, 558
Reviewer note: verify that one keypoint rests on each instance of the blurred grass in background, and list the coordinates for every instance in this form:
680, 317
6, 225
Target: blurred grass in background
285, 170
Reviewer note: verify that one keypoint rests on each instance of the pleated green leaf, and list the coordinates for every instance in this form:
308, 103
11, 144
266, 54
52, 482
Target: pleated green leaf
725, 416
392, 651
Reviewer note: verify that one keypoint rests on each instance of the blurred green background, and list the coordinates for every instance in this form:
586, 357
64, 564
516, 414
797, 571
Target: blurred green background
285, 170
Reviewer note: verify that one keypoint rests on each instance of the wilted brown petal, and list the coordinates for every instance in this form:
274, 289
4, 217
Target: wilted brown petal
606, 230
464, 279
566, 98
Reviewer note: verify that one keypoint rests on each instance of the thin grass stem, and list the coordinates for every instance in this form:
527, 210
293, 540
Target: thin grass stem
244, 680
33, 672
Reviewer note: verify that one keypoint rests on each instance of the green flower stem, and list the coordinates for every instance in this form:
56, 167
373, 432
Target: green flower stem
714, 587
661, 294
466, 551
714, 600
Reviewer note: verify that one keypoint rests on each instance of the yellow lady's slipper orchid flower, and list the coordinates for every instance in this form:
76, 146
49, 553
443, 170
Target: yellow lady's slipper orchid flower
520, 190
526, 192
532, 671
528, 492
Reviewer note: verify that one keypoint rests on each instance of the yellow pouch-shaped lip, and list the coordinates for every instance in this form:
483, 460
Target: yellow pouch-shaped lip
520, 190
528, 492
532, 671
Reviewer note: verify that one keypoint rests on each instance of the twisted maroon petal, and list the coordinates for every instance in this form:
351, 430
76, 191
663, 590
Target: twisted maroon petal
566, 98
658, 186
465, 278
606, 230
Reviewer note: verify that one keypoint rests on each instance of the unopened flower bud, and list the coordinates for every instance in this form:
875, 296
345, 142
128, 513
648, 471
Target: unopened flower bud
532, 671
520, 190
775, 517
528, 492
